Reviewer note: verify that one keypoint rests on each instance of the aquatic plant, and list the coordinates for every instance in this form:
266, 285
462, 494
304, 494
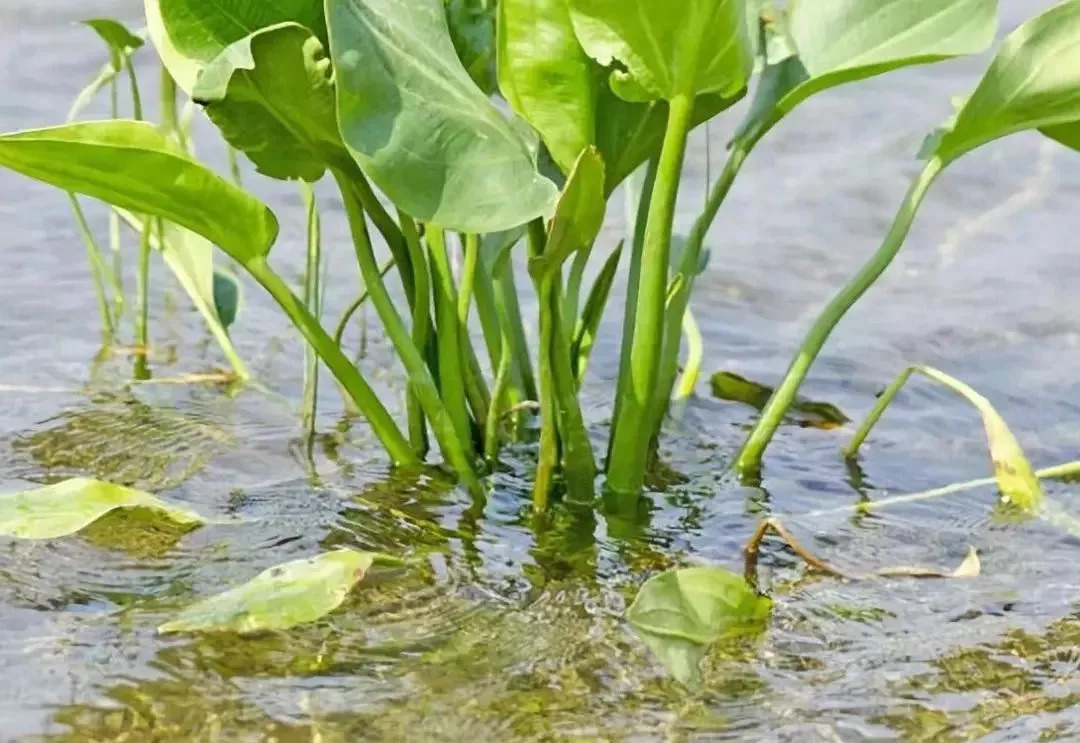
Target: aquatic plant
400, 104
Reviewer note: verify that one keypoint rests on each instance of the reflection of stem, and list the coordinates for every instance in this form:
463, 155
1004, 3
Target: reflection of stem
749, 459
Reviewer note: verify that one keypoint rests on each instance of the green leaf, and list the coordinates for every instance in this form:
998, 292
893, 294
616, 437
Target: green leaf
546, 77
681, 613
279, 598
271, 96
684, 47
418, 125
472, 29
1012, 471
578, 215
1032, 83
66, 507
134, 166
1067, 134
120, 40
825, 44
228, 296
190, 34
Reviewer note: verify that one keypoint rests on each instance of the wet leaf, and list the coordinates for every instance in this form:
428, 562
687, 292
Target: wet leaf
418, 125
686, 47
271, 95
679, 614
821, 45
279, 598
66, 507
1032, 83
135, 166
730, 386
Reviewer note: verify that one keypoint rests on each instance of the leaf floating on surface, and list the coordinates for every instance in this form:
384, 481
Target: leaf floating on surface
729, 386
280, 597
66, 507
971, 567
679, 614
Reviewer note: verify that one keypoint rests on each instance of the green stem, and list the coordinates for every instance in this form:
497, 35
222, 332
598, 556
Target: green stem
695, 353
468, 279
626, 470
883, 402
633, 282
498, 397
420, 381
350, 378
313, 303
97, 266
421, 324
142, 300
347, 316
749, 460
548, 456
170, 122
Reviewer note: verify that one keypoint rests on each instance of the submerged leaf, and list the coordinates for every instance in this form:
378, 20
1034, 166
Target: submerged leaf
821, 45
1032, 83
271, 96
419, 126
66, 507
280, 597
732, 387
135, 166
680, 613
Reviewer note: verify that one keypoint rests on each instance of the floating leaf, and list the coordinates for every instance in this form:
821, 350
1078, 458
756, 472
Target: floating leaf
1032, 83
821, 45
686, 47
971, 567
729, 386
419, 126
280, 597
1012, 471
134, 166
680, 613
66, 507
271, 96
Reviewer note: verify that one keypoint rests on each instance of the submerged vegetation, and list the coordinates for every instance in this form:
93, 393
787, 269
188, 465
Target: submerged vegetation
402, 107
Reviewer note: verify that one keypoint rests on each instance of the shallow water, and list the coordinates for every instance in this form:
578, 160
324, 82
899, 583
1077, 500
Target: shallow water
515, 632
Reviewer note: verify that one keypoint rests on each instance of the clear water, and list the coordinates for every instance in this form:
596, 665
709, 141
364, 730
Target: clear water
514, 632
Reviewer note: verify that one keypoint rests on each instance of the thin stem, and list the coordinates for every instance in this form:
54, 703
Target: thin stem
626, 470
548, 456
468, 279
420, 382
136, 96
749, 459
448, 336
170, 122
421, 324
350, 378
313, 303
633, 282
142, 299
234, 166
695, 353
97, 266
883, 402
506, 297
347, 315
498, 397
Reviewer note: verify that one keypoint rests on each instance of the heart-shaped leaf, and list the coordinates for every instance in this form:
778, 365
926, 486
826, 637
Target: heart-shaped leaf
680, 48
271, 96
820, 45
1032, 83
280, 597
419, 126
681, 613
136, 167
66, 507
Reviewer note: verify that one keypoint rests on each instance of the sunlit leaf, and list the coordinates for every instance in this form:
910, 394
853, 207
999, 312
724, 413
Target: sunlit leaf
281, 597
1012, 471
820, 45
134, 166
66, 507
1032, 83
579, 215
684, 47
271, 96
681, 613
419, 126
546, 76
190, 34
